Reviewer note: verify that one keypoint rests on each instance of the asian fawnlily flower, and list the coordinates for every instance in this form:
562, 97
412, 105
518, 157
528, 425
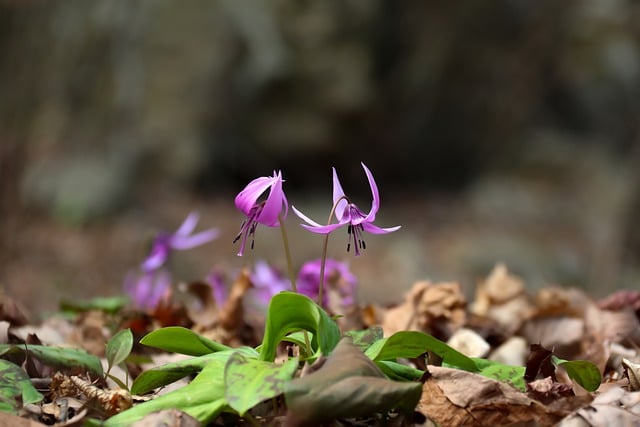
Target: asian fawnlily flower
182, 239
149, 288
335, 272
267, 282
267, 212
350, 215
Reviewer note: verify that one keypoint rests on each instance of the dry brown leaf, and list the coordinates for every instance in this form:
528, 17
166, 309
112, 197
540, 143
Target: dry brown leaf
230, 327
91, 333
469, 343
503, 298
456, 397
615, 407
554, 332
10, 420
554, 301
632, 371
513, 352
167, 418
202, 309
438, 309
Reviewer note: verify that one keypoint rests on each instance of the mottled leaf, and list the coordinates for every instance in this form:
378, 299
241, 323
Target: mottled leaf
349, 384
513, 375
202, 399
16, 388
70, 359
413, 344
171, 372
249, 381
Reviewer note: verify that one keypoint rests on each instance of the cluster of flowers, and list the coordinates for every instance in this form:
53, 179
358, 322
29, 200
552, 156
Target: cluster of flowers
151, 283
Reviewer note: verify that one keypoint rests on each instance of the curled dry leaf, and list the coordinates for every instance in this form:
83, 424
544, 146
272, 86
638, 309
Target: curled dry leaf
455, 397
438, 309
502, 297
632, 371
230, 327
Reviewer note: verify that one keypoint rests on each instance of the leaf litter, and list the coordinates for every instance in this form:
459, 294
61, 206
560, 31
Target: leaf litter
508, 357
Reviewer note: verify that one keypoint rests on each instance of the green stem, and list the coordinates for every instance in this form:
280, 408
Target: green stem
325, 244
292, 276
287, 254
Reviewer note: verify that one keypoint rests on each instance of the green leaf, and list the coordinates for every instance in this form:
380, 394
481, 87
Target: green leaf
203, 398
69, 359
399, 372
16, 389
171, 372
365, 338
583, 372
506, 373
413, 344
289, 312
249, 381
107, 304
348, 385
176, 339
119, 347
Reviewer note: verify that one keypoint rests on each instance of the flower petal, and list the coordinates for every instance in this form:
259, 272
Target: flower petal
188, 225
247, 198
375, 203
304, 217
374, 229
273, 206
188, 242
338, 193
158, 256
322, 229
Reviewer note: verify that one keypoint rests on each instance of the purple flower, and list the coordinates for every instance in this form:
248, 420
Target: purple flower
218, 287
266, 212
180, 240
149, 288
335, 272
267, 282
349, 214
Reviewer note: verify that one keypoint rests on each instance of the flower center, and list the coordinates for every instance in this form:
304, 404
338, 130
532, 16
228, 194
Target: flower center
248, 227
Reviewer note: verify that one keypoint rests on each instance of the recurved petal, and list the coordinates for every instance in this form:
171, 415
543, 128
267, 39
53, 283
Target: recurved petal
374, 229
189, 224
188, 242
248, 197
322, 229
304, 217
375, 203
338, 193
157, 257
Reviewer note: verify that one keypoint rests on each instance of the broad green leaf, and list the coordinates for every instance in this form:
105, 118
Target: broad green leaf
506, 373
583, 372
298, 339
171, 372
399, 372
176, 339
203, 398
16, 389
119, 347
413, 344
107, 304
348, 385
365, 338
57, 357
290, 312
249, 381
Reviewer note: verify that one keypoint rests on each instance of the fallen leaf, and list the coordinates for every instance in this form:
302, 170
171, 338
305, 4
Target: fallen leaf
347, 385
615, 407
438, 309
455, 397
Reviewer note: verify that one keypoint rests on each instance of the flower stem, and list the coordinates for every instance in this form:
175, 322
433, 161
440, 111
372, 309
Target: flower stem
324, 251
287, 253
292, 276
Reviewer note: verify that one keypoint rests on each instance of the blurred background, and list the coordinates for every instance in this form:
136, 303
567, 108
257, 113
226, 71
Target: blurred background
498, 131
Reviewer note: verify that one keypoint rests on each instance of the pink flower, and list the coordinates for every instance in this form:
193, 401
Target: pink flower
182, 239
350, 214
309, 280
149, 288
266, 212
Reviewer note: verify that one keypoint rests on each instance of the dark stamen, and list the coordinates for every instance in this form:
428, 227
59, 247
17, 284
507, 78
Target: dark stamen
348, 246
364, 246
